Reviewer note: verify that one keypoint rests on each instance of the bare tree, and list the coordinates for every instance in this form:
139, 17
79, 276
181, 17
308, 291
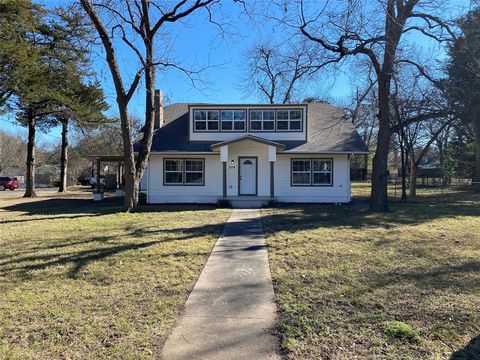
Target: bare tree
418, 139
352, 28
138, 24
413, 97
12, 153
362, 111
278, 73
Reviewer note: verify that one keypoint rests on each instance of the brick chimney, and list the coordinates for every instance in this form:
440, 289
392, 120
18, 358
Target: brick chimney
158, 118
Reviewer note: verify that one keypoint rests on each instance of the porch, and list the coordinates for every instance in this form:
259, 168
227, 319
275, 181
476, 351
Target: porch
248, 170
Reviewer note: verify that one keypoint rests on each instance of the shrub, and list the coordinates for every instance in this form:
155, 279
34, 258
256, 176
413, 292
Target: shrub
400, 330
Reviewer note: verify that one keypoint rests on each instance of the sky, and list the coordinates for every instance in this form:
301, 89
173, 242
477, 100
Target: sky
197, 43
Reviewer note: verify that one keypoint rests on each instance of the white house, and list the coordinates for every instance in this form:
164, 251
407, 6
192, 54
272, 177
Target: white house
249, 154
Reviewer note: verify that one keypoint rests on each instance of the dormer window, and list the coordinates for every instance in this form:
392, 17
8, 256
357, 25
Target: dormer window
233, 120
267, 120
206, 120
262, 120
288, 120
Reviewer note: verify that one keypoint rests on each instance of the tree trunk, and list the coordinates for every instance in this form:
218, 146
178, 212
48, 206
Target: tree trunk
379, 197
30, 175
412, 186
146, 142
365, 169
64, 158
404, 169
131, 200
476, 130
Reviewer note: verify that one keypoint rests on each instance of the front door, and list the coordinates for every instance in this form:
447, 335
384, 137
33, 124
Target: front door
247, 176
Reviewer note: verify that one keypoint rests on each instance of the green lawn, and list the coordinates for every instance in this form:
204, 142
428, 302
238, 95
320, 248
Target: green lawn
401, 285
79, 280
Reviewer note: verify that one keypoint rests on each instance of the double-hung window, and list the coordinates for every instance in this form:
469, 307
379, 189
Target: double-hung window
194, 172
312, 172
289, 120
233, 120
321, 172
173, 171
184, 172
206, 120
301, 172
262, 120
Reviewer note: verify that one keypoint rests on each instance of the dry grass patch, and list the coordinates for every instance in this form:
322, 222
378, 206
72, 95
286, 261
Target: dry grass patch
81, 280
401, 285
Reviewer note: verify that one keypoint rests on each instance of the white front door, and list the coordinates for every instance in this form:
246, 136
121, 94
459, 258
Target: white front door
247, 177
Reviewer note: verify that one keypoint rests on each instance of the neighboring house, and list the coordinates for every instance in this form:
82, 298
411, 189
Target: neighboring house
244, 153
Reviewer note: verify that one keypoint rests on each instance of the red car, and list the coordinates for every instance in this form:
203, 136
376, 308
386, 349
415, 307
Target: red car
8, 183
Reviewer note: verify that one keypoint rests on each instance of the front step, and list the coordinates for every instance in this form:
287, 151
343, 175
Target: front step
247, 202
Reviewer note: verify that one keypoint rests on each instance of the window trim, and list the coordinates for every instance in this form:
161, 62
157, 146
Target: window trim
311, 159
206, 121
289, 120
184, 171
262, 110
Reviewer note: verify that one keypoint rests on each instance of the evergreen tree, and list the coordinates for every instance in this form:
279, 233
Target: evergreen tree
464, 81
46, 71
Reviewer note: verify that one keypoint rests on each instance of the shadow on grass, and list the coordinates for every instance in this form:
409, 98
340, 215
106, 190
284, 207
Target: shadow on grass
68, 208
461, 275
470, 352
29, 260
440, 278
357, 216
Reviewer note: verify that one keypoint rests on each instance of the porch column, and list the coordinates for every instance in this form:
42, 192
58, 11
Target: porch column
119, 179
98, 176
272, 179
224, 160
224, 193
272, 157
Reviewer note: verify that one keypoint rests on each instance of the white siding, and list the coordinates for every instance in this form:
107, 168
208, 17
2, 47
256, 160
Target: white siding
338, 193
209, 193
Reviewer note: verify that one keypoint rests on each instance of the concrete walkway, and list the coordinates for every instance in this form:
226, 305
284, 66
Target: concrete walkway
230, 313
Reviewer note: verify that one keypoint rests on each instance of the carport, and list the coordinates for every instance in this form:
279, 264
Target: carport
98, 160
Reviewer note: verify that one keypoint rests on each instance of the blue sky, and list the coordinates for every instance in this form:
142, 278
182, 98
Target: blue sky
195, 41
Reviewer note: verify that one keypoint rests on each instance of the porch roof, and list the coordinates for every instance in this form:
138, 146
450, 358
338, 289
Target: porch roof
248, 137
106, 157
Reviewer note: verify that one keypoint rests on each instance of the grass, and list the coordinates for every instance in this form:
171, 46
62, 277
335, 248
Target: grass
401, 285
79, 280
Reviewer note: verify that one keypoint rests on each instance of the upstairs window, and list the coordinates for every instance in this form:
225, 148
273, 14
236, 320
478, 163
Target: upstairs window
312, 172
233, 120
262, 120
268, 119
206, 120
289, 120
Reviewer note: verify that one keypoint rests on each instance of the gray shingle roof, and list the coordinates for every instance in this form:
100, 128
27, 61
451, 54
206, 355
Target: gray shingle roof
327, 131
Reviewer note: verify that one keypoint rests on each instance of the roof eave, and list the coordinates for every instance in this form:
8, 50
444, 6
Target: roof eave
251, 138
351, 152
